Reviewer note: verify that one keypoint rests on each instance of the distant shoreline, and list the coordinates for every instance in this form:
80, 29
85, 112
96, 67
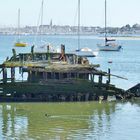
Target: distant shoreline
123, 37
95, 36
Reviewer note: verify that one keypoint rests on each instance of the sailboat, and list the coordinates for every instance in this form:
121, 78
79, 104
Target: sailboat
19, 43
87, 52
110, 44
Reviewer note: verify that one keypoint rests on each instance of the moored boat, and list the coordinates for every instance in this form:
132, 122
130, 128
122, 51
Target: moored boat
19, 43
109, 47
87, 52
109, 44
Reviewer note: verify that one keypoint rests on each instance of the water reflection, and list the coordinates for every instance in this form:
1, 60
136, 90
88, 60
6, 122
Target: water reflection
59, 120
13, 124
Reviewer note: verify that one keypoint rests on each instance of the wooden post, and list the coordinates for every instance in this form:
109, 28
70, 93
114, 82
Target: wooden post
93, 78
48, 53
4, 75
32, 52
12, 74
74, 59
108, 76
23, 59
14, 54
62, 56
100, 79
20, 70
29, 76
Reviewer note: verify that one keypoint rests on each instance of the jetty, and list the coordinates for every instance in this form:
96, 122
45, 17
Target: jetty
54, 77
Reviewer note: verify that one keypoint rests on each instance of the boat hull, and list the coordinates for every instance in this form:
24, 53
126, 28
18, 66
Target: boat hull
109, 47
86, 54
20, 44
79, 90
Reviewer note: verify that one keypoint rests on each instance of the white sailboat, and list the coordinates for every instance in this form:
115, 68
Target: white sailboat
87, 52
110, 44
19, 43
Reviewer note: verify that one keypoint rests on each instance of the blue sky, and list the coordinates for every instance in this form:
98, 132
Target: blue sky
63, 12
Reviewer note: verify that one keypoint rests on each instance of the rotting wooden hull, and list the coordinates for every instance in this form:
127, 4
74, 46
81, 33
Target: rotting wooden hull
53, 77
77, 91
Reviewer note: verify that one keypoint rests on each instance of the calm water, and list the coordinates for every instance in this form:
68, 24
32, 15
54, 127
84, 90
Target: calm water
87, 121
71, 121
126, 63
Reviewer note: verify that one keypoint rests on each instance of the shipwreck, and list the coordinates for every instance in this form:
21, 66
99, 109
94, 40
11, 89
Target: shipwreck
54, 77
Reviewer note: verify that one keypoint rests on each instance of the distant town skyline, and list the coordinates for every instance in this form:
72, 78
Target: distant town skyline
64, 12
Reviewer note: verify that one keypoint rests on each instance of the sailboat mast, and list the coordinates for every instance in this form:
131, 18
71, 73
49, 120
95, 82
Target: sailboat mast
42, 6
42, 12
105, 22
78, 24
18, 23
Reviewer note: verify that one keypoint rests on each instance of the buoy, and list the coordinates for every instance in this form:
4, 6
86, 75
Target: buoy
47, 115
109, 61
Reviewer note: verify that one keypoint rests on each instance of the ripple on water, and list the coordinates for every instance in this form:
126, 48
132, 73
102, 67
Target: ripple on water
105, 121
